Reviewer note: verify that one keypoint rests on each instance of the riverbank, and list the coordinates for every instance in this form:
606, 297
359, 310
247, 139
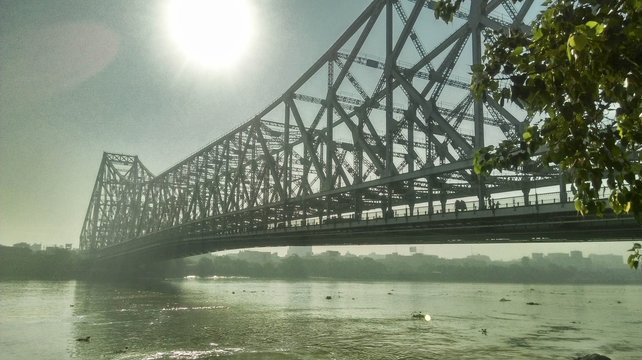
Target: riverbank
417, 267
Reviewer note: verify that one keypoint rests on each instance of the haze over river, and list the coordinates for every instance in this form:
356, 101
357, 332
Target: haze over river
270, 319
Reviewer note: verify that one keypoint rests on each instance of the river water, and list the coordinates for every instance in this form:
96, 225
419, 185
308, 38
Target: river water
261, 319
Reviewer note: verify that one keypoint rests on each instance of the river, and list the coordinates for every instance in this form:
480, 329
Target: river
316, 319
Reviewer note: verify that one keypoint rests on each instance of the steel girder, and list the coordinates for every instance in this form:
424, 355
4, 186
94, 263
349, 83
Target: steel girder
394, 128
115, 207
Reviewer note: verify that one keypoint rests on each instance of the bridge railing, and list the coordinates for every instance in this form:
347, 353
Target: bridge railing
497, 201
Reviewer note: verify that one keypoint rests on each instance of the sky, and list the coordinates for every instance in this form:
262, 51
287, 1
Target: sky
80, 77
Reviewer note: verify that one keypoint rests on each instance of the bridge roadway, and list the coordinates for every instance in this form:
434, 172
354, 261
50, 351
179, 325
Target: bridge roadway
506, 223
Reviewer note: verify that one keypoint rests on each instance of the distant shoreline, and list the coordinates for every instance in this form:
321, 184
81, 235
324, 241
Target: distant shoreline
62, 264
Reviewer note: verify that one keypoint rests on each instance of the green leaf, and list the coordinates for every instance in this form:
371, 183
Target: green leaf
478, 168
596, 26
478, 162
578, 41
537, 33
477, 67
573, 100
630, 260
579, 206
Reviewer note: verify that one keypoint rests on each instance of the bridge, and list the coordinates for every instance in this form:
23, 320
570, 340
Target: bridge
372, 145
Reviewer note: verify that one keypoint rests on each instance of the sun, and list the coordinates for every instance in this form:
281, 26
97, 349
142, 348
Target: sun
210, 33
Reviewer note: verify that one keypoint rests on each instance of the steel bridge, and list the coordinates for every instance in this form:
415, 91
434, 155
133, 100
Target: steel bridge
372, 145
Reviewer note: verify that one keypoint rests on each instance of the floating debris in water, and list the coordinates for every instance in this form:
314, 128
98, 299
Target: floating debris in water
84, 339
532, 303
183, 308
418, 315
484, 331
593, 357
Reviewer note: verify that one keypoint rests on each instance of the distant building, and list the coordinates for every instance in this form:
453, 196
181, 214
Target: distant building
10, 251
558, 258
573, 258
68, 246
578, 260
428, 257
300, 251
479, 259
36, 247
607, 261
259, 257
375, 256
331, 253
418, 259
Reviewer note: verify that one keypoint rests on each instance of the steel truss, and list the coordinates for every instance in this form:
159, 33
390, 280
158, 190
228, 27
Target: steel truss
354, 133
115, 207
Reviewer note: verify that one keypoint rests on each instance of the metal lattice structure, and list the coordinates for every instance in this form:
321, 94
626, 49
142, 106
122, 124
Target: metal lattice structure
383, 120
115, 206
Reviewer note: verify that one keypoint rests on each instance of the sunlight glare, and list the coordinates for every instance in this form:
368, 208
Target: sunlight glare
210, 33
427, 317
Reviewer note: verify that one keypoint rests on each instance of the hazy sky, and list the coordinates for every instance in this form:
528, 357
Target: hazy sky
79, 77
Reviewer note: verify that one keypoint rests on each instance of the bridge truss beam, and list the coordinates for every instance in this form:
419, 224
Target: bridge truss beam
400, 130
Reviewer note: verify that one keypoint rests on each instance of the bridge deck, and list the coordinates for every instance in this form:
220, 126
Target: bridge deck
555, 222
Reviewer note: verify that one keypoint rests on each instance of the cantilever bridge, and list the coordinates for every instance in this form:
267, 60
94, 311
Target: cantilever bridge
372, 145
